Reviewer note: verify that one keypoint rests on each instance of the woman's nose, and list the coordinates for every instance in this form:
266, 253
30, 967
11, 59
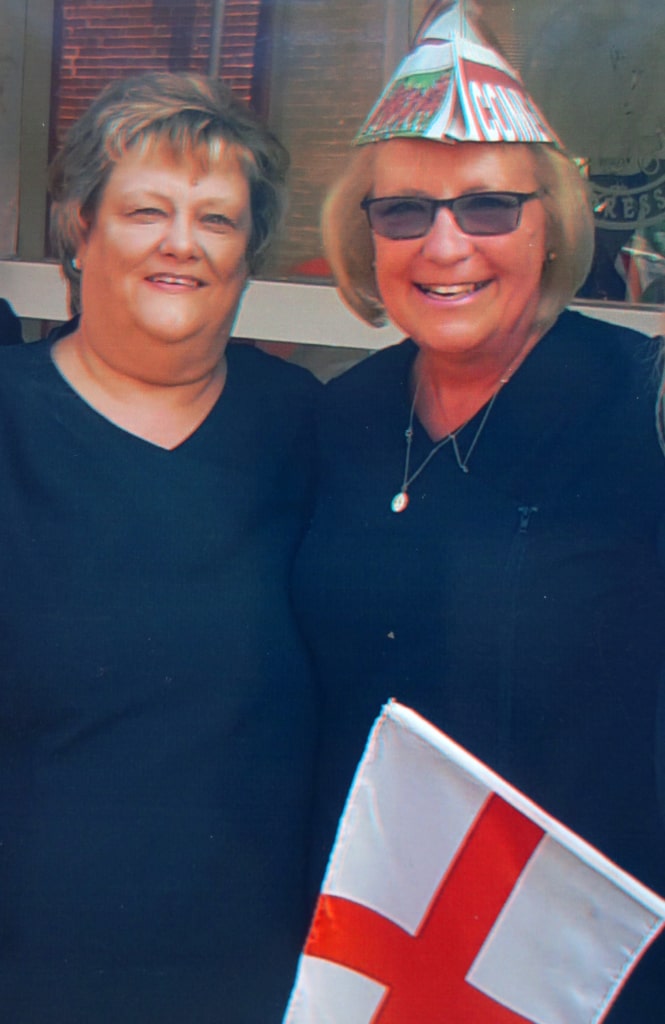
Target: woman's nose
180, 237
445, 241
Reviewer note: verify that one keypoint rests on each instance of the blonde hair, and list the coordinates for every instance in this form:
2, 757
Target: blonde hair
193, 116
349, 248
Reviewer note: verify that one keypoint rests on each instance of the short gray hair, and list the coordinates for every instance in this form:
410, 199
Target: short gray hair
192, 115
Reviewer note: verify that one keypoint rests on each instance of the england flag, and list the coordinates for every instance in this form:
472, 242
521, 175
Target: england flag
449, 895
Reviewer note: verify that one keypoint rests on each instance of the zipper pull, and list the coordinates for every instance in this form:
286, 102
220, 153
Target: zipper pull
526, 511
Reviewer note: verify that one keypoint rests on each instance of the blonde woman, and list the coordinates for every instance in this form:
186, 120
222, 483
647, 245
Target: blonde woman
485, 541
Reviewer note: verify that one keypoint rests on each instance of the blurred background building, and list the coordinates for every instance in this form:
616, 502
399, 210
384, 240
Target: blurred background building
312, 68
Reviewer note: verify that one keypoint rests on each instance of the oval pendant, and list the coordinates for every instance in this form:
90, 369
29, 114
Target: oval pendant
399, 502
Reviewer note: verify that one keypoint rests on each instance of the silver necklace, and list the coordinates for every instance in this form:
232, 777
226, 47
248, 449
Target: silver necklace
401, 499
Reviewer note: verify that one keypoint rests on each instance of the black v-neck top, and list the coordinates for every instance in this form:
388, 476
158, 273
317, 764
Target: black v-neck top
156, 713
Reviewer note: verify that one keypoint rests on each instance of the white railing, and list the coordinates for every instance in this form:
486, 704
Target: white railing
310, 314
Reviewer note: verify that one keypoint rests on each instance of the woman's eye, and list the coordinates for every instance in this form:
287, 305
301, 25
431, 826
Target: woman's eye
218, 221
147, 213
490, 202
403, 206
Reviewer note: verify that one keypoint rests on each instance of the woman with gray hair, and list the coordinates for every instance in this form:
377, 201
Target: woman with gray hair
156, 715
484, 546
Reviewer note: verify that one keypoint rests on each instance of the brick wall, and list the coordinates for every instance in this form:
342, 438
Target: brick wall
327, 71
99, 40
320, 69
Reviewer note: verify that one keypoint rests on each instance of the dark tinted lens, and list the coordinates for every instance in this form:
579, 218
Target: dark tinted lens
401, 218
492, 214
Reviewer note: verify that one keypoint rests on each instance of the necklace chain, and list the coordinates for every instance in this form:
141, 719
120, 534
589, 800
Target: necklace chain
401, 499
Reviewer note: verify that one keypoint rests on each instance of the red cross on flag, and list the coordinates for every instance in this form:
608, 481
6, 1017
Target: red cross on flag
449, 895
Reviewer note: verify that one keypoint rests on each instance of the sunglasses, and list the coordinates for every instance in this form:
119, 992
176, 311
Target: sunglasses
479, 213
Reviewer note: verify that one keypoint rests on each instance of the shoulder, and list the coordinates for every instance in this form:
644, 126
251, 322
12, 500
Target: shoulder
378, 381
619, 349
24, 362
11, 332
255, 367
28, 381
386, 364
271, 385
597, 369
613, 377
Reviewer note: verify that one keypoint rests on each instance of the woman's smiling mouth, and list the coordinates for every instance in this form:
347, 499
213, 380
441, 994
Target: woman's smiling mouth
175, 281
452, 291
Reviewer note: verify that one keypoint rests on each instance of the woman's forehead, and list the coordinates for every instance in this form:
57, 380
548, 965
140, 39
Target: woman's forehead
200, 155
489, 165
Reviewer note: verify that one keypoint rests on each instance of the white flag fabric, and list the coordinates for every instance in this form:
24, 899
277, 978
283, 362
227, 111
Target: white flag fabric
448, 890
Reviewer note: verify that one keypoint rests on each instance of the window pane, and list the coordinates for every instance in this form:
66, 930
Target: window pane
594, 66
314, 68
12, 40
597, 68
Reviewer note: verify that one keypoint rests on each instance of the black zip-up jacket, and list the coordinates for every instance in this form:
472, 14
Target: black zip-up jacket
519, 606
